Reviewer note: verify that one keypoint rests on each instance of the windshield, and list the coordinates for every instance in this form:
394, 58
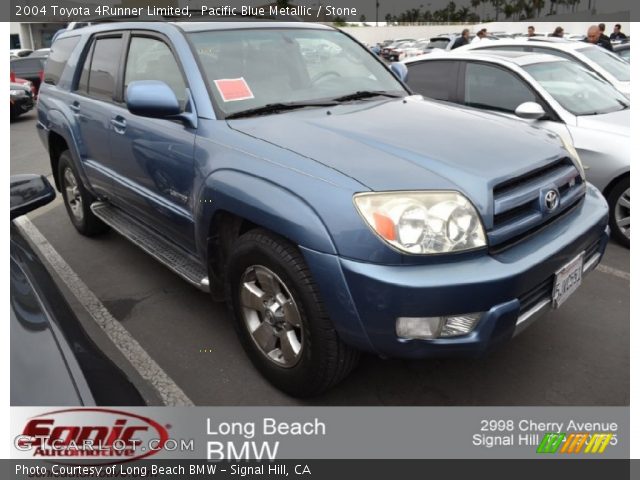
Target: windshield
577, 89
608, 61
248, 69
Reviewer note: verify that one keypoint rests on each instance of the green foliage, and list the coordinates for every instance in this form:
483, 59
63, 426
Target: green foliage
488, 9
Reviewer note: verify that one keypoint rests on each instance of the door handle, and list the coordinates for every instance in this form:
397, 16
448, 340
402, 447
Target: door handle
119, 124
75, 107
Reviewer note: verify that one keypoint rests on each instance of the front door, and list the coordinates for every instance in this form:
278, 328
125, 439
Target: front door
153, 158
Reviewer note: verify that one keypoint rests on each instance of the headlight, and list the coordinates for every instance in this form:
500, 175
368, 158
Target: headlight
568, 146
423, 222
17, 93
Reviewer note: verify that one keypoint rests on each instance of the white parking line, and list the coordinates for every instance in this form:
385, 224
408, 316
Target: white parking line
614, 271
171, 394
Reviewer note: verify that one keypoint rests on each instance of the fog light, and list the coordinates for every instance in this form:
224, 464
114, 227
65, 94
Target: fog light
457, 325
436, 327
418, 327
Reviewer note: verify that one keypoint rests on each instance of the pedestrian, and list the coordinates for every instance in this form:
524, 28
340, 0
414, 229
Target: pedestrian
602, 27
595, 36
480, 35
617, 35
558, 32
462, 40
531, 31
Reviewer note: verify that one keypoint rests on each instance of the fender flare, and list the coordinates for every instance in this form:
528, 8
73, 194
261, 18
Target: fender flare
59, 124
263, 203
285, 213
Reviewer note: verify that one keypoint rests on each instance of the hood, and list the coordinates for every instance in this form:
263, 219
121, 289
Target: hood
618, 123
411, 144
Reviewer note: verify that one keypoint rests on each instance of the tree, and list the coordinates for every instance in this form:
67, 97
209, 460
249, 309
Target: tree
339, 22
538, 5
498, 5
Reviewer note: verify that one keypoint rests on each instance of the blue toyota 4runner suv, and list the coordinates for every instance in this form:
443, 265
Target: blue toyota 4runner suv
283, 167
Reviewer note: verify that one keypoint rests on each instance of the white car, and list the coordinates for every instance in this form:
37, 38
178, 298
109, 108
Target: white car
606, 64
548, 92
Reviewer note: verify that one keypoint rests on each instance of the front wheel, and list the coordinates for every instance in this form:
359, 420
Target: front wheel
280, 317
619, 200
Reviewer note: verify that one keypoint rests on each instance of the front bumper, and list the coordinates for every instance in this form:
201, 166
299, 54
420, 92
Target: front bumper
513, 287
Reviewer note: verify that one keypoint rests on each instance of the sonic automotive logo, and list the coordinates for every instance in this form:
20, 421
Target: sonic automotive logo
92, 432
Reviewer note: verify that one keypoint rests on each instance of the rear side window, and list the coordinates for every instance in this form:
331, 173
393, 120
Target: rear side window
493, 88
433, 79
60, 53
100, 71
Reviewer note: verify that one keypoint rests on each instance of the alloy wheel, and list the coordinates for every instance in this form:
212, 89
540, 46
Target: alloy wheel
271, 316
73, 195
622, 212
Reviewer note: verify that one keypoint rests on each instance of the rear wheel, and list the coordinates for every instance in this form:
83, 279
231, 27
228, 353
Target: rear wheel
77, 199
619, 200
280, 318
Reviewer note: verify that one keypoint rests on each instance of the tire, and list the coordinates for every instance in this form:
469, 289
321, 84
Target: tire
619, 200
77, 199
261, 260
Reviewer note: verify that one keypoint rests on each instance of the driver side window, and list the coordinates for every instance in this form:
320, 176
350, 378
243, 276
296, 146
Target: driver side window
494, 88
152, 59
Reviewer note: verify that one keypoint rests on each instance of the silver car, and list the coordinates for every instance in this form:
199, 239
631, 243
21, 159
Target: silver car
606, 64
551, 93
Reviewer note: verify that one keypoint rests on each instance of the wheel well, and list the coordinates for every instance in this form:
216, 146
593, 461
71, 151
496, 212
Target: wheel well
57, 145
613, 183
224, 229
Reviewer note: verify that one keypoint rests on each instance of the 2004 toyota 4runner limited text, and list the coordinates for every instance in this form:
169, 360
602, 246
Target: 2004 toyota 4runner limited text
285, 168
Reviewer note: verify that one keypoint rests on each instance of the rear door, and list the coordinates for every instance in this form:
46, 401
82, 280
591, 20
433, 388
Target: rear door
153, 158
92, 102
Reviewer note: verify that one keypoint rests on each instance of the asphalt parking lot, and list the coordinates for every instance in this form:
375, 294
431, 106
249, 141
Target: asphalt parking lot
578, 355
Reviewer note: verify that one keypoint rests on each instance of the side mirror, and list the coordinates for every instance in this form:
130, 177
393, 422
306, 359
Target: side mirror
530, 111
399, 70
152, 98
29, 192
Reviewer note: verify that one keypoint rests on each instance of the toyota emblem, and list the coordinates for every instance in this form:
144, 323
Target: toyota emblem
551, 200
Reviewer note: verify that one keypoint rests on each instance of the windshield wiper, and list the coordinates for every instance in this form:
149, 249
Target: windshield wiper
278, 107
359, 95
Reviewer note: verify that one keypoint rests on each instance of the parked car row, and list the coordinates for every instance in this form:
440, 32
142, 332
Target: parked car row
575, 90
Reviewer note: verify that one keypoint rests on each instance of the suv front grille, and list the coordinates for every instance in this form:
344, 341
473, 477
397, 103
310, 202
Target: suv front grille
519, 205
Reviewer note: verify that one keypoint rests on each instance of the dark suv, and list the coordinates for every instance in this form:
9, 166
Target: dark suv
334, 211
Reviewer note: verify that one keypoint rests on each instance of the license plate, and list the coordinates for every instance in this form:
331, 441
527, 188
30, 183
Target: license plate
567, 280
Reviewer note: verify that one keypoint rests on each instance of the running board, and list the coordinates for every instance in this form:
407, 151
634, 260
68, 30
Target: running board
173, 257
